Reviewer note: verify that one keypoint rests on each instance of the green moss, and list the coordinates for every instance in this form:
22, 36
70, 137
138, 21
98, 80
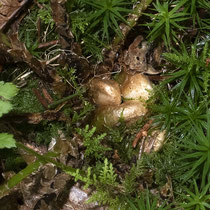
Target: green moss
26, 101
162, 163
120, 138
28, 32
41, 133
46, 132
12, 160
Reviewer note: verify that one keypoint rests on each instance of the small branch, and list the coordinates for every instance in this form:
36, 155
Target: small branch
141, 149
41, 99
47, 95
47, 44
141, 133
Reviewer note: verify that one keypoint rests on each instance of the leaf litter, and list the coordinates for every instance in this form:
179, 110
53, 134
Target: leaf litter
48, 186
9, 10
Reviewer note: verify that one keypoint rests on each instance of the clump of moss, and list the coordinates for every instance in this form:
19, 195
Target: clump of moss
11, 160
26, 101
46, 132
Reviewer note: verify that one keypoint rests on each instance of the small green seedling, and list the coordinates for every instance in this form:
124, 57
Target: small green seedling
7, 92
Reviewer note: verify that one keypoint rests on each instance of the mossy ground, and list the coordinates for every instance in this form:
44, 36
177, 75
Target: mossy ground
123, 174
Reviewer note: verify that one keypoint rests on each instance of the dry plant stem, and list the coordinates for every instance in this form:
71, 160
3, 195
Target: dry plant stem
47, 44
141, 149
47, 96
52, 60
141, 133
41, 99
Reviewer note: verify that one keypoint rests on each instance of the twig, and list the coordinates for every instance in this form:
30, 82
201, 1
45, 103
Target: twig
141, 133
47, 44
141, 149
47, 95
52, 59
42, 100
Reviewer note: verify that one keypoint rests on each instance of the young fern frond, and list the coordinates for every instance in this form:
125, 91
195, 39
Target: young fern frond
105, 183
107, 174
136, 171
93, 145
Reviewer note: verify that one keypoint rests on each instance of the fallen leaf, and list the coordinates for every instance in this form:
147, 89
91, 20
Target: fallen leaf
9, 9
17, 50
62, 26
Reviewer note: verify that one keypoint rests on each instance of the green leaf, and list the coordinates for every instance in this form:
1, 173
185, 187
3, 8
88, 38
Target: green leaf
5, 107
8, 90
6, 141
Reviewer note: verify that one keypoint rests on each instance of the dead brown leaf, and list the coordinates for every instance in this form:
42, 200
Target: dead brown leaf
62, 26
73, 56
9, 9
49, 115
207, 61
17, 51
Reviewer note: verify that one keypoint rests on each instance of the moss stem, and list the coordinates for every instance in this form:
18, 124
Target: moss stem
55, 103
